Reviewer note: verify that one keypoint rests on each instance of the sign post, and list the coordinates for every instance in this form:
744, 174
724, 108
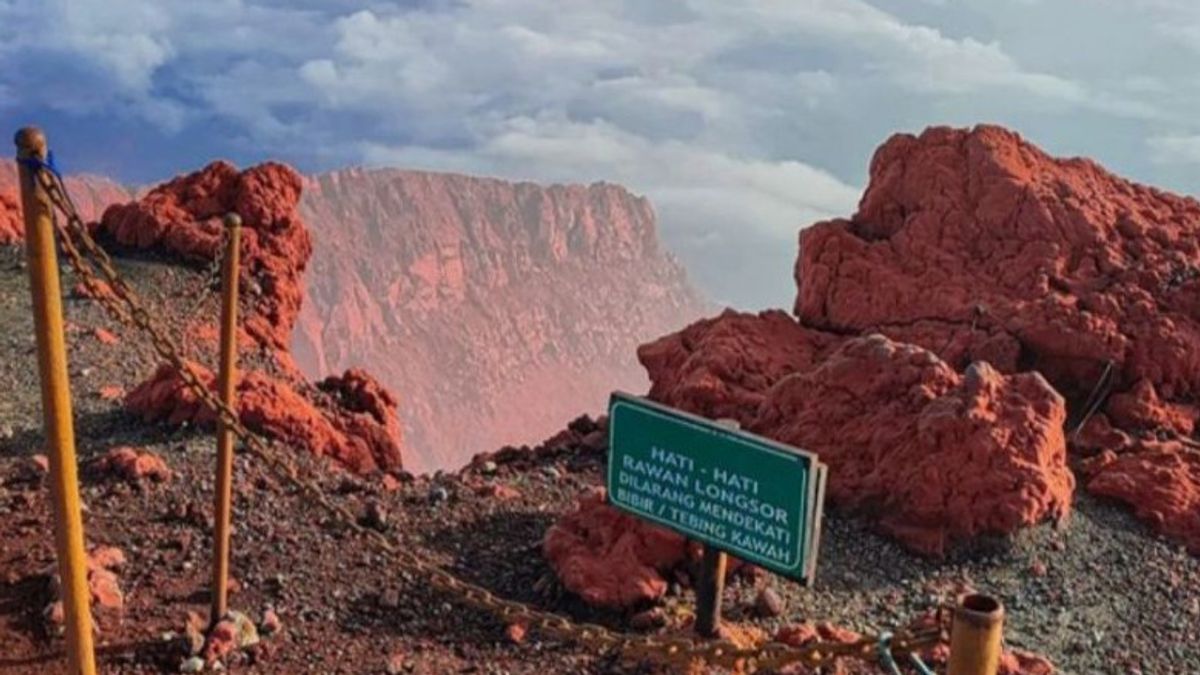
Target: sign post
733, 491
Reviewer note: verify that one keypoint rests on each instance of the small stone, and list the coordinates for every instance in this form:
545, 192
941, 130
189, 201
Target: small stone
596, 440
106, 337
438, 494
499, 491
39, 465
551, 473
768, 604
1038, 568
271, 624
389, 599
489, 467
515, 632
396, 664
648, 620
194, 664
375, 517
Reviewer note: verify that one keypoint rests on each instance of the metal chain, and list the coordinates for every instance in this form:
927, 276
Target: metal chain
212, 276
125, 306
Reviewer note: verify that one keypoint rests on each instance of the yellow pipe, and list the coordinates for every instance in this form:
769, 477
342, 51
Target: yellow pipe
227, 382
56, 404
975, 636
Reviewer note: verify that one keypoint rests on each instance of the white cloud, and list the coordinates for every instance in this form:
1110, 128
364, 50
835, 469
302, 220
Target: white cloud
754, 117
1175, 149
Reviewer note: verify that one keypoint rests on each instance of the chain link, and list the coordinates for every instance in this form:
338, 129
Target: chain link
211, 281
678, 652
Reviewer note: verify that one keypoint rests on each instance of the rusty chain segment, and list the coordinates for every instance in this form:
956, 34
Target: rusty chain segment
679, 652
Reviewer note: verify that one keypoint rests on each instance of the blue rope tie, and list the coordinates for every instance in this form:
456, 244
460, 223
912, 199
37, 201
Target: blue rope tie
889, 662
37, 164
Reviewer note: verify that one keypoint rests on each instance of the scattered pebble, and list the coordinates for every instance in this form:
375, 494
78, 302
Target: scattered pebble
768, 604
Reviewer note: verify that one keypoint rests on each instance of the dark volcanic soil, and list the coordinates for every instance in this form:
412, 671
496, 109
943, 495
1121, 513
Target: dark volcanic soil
1098, 595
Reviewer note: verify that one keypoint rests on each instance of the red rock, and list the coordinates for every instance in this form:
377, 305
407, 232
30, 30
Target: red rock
12, 227
649, 619
133, 465
104, 586
397, 664
106, 557
800, 634
611, 559
499, 491
723, 367
101, 289
271, 623
903, 432
1141, 408
991, 243
106, 337
222, 640
515, 632
184, 215
1159, 479
354, 437
91, 194
111, 393
905, 436
515, 306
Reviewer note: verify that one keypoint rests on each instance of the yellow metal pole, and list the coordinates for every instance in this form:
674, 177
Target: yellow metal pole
56, 403
975, 636
226, 383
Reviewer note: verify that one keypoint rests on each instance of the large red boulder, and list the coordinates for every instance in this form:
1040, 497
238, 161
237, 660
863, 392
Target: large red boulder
611, 559
939, 456
354, 436
998, 251
183, 217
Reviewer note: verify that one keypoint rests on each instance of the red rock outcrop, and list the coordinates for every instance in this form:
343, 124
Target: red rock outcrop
512, 305
350, 418
361, 439
92, 194
940, 457
183, 216
1001, 252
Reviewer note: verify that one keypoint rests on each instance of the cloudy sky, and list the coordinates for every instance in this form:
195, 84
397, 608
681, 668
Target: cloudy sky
742, 120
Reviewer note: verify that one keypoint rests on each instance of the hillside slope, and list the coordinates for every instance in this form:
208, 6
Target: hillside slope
496, 309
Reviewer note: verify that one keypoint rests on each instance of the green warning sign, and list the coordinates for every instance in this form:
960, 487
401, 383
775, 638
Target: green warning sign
744, 494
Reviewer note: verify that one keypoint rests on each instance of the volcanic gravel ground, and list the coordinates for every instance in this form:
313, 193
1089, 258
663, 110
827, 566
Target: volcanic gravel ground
1098, 594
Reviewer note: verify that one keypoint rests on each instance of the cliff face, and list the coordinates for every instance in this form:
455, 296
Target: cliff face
497, 309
